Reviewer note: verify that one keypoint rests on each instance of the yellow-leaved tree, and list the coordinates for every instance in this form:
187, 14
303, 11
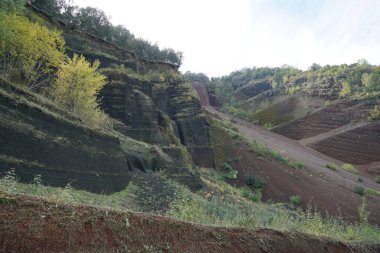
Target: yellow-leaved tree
76, 87
29, 52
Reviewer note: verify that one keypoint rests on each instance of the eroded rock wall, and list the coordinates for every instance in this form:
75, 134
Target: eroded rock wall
37, 138
165, 114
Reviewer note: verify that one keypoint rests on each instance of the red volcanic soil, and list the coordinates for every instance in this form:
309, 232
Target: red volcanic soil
202, 92
315, 189
205, 96
324, 120
30, 224
360, 145
316, 184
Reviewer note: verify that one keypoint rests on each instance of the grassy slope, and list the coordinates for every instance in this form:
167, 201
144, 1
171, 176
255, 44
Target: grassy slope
68, 228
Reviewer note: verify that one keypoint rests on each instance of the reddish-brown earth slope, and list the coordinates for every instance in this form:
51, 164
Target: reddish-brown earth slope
324, 120
318, 185
29, 224
360, 145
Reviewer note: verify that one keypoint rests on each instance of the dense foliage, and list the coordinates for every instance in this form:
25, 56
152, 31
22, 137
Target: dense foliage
196, 77
96, 22
28, 51
33, 55
76, 87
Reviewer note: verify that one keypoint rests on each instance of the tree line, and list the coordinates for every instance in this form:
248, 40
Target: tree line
96, 22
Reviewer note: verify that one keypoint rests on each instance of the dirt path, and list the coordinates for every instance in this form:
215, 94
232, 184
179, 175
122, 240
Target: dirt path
314, 161
331, 133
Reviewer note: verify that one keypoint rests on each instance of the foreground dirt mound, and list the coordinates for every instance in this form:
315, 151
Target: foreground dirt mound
34, 225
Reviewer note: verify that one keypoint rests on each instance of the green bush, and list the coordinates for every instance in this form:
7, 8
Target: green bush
332, 166
256, 182
247, 193
360, 179
279, 157
295, 200
350, 168
298, 165
358, 189
377, 179
293, 90
230, 172
346, 90
259, 149
268, 125
374, 114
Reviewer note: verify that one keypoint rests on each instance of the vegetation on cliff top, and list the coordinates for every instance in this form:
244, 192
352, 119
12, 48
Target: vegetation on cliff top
33, 55
96, 22
358, 80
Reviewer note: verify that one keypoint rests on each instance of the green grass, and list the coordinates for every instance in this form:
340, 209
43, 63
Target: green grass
332, 166
262, 150
298, 165
350, 168
373, 192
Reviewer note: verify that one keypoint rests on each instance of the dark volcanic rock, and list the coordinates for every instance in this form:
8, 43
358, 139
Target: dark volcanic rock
36, 138
166, 114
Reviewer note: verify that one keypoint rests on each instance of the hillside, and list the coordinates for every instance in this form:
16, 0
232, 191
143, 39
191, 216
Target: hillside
105, 148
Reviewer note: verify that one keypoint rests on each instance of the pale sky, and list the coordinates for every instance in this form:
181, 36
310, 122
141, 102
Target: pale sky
221, 36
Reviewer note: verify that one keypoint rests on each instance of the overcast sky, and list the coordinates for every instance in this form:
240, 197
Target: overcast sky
220, 36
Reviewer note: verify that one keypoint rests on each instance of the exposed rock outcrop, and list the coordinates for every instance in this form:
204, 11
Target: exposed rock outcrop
39, 138
166, 114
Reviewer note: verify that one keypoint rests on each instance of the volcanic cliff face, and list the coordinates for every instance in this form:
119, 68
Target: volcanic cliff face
166, 114
39, 138
159, 125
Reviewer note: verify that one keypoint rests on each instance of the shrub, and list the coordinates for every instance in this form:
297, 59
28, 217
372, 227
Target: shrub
346, 90
332, 166
374, 114
358, 189
350, 168
259, 149
256, 182
279, 157
268, 125
377, 179
295, 200
293, 90
31, 50
249, 194
298, 165
230, 172
360, 179
76, 87
9, 181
